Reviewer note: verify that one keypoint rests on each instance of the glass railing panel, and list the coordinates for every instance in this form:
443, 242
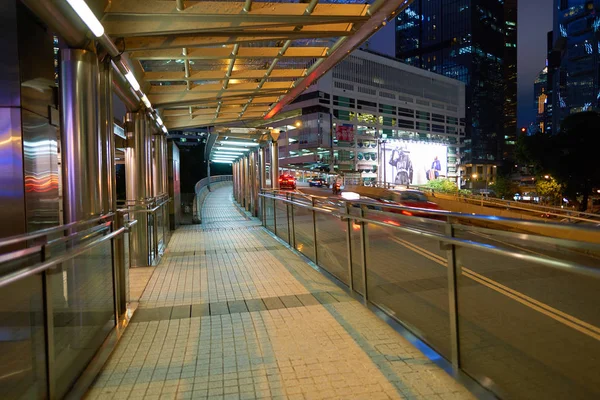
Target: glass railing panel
332, 246
22, 340
303, 230
356, 251
407, 277
281, 219
269, 205
526, 330
159, 227
81, 293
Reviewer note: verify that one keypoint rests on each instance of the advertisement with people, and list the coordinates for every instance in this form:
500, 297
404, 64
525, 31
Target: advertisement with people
409, 163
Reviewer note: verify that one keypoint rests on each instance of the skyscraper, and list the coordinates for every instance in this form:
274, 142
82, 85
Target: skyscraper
475, 42
576, 73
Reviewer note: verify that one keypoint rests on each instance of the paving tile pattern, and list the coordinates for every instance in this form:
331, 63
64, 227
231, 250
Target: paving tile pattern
257, 323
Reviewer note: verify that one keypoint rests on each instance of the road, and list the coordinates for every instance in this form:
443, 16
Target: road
533, 331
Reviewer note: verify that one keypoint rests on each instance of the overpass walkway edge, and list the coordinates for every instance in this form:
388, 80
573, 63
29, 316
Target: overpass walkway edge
233, 313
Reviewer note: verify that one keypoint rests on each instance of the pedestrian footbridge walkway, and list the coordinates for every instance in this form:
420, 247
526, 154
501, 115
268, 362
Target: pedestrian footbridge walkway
231, 313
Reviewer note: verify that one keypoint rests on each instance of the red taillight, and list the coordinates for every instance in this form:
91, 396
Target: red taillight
407, 213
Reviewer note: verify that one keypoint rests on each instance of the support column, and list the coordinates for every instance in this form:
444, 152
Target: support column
246, 184
263, 167
242, 183
107, 138
81, 146
274, 164
136, 166
255, 183
236, 178
250, 182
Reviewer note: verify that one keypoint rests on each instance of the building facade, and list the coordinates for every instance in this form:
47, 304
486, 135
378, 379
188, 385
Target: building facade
474, 42
576, 73
375, 118
543, 121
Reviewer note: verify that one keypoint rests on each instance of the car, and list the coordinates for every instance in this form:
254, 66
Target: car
318, 182
408, 198
287, 182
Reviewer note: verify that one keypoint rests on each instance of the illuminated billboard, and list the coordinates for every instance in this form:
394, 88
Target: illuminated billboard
410, 163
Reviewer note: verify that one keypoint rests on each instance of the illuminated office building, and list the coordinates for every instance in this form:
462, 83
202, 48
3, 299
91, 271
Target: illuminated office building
576, 79
474, 42
367, 111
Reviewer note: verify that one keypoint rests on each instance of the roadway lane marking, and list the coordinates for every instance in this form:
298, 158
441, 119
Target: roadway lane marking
557, 315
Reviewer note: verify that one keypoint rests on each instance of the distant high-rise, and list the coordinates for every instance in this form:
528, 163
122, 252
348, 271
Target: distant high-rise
576, 58
475, 42
510, 79
543, 93
540, 101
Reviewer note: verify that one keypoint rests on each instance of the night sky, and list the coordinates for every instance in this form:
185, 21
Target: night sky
535, 21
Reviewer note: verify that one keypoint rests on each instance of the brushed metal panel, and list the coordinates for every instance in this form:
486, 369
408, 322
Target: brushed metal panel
36, 63
40, 161
12, 196
10, 93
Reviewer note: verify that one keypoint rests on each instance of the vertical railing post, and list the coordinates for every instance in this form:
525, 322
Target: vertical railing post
287, 212
292, 224
453, 297
49, 331
364, 244
349, 245
155, 233
274, 213
118, 246
314, 217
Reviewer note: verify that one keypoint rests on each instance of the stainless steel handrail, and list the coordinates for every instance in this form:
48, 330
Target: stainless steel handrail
32, 270
536, 238
49, 231
141, 210
513, 204
552, 263
479, 217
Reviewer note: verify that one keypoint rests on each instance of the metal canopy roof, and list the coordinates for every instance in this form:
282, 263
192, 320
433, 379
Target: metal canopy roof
208, 63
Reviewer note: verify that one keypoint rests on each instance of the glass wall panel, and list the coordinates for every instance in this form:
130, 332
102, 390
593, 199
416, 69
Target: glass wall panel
407, 277
22, 343
269, 214
332, 247
282, 220
81, 292
530, 330
303, 230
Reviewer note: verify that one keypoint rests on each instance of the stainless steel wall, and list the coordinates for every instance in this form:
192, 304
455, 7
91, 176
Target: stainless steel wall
28, 142
107, 138
136, 166
79, 132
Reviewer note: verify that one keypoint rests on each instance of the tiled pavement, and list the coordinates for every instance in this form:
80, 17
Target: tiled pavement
232, 314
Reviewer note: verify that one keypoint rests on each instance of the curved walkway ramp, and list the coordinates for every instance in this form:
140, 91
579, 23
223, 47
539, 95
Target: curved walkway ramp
231, 313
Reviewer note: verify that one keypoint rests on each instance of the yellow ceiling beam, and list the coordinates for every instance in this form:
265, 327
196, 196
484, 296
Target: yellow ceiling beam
125, 7
198, 41
220, 75
236, 87
219, 53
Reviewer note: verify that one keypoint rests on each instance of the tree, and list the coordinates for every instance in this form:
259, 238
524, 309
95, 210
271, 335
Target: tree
570, 156
442, 185
549, 189
504, 187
